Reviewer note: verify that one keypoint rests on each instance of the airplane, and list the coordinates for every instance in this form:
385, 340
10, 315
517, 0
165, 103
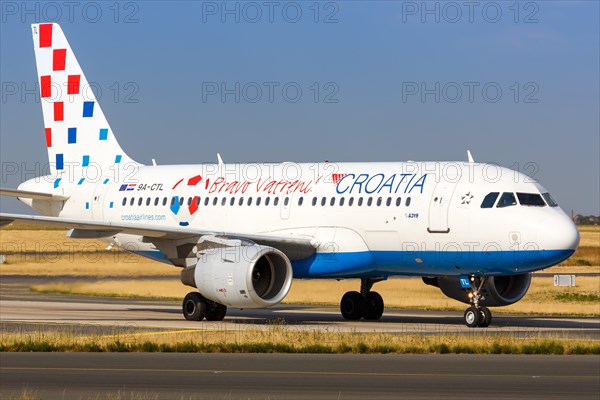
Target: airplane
240, 233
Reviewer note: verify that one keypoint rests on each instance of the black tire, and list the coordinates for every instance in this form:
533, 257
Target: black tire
194, 307
352, 306
486, 317
374, 306
472, 317
216, 312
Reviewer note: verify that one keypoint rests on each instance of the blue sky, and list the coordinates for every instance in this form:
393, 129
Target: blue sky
361, 68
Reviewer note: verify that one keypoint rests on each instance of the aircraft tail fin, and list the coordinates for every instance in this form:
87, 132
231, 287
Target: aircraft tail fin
77, 133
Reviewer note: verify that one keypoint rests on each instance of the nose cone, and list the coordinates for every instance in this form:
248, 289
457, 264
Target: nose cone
556, 231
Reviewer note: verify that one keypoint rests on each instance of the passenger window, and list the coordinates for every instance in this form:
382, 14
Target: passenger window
388, 202
489, 200
198, 200
140, 201
549, 200
249, 201
286, 201
258, 201
369, 201
189, 201
241, 202
506, 200
156, 201
332, 201
342, 201
181, 200
300, 201
398, 201
148, 200
165, 201
324, 201
173, 199
206, 200
224, 201
531, 199
215, 201
276, 201
407, 201
124, 201
360, 201
351, 201
232, 201
314, 202
132, 201
379, 201
267, 201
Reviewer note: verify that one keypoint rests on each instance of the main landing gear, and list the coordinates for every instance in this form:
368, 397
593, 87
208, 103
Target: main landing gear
195, 308
477, 315
366, 304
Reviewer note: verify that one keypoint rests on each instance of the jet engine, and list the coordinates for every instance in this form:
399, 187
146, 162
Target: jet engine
246, 276
497, 290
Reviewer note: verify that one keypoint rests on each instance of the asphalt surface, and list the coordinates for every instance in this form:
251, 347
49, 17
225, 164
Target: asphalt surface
297, 376
24, 311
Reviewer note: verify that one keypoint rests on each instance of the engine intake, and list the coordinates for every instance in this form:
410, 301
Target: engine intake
247, 276
498, 290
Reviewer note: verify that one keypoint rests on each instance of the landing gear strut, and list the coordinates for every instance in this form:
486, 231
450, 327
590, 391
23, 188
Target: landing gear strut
477, 315
366, 304
195, 308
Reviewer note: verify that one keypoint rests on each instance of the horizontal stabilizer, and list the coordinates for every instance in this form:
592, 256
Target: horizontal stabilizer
25, 194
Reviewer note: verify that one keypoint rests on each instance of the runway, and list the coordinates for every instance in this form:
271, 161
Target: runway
276, 376
23, 311
286, 376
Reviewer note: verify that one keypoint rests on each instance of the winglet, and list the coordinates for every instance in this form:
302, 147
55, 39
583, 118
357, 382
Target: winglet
470, 156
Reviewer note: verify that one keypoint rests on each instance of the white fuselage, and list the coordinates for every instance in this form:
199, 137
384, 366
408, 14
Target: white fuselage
369, 219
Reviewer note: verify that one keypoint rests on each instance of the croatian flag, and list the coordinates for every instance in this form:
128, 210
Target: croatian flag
127, 187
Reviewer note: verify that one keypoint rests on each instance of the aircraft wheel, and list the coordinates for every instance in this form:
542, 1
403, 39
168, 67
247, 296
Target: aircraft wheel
216, 312
194, 307
352, 306
374, 306
472, 317
486, 317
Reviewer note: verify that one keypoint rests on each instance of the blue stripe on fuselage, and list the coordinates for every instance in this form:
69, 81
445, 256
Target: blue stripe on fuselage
366, 264
434, 263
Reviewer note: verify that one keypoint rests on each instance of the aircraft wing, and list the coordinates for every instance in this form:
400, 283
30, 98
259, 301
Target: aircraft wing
25, 194
295, 247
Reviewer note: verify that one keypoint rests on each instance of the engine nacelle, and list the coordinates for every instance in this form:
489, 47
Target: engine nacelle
498, 290
247, 276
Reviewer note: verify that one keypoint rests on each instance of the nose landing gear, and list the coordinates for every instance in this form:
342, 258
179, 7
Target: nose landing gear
366, 304
477, 315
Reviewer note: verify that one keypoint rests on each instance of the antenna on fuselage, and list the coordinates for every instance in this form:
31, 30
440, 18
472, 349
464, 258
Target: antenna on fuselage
470, 157
219, 159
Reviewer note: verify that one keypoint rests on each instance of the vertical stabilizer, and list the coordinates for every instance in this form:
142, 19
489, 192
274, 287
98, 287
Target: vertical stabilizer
77, 134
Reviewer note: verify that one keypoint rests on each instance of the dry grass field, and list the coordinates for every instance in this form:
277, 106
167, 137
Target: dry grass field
50, 253
280, 338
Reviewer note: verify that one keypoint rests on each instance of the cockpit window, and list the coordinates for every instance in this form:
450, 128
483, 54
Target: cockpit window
549, 199
531, 199
489, 200
506, 200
